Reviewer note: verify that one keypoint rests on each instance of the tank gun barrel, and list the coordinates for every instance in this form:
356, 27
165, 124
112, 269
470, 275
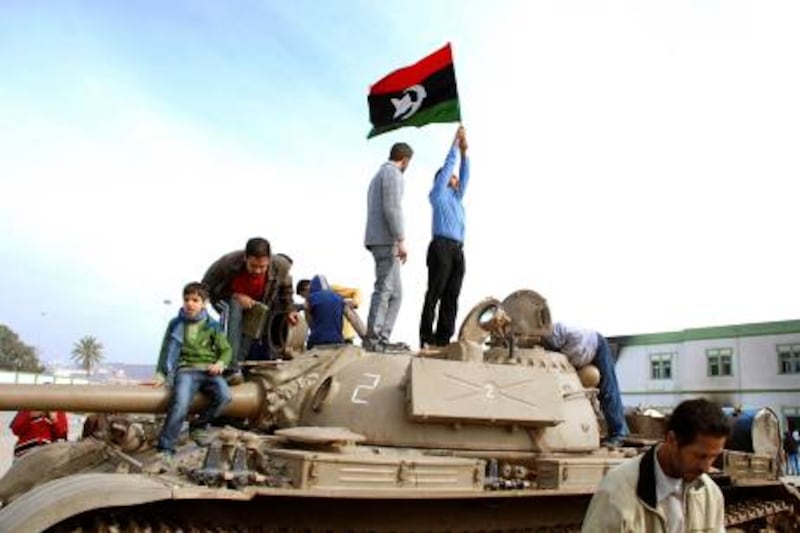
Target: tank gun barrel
247, 399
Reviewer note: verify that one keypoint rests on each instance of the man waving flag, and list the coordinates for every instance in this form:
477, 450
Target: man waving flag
416, 95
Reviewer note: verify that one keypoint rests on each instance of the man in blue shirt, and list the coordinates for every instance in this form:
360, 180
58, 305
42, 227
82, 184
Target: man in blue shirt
445, 258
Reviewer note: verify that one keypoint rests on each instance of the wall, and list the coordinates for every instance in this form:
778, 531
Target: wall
756, 381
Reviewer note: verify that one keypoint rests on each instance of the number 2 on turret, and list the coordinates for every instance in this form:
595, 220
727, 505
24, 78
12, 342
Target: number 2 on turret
374, 378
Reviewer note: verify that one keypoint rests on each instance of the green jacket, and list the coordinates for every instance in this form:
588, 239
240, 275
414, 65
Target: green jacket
209, 346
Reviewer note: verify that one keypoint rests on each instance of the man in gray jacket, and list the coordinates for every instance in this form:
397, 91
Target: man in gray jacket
385, 238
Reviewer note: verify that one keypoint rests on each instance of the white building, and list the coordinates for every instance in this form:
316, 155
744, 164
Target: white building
751, 365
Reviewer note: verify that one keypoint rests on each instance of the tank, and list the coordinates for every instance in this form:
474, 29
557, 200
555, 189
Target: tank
491, 433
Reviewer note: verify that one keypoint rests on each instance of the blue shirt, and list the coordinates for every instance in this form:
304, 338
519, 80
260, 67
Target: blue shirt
448, 211
326, 314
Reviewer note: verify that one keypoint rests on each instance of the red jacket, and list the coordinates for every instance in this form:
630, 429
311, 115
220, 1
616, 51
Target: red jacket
35, 430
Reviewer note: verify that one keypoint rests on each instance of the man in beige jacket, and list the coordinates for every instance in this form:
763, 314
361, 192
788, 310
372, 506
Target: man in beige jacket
667, 489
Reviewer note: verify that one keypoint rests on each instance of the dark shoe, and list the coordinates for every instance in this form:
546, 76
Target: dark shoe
614, 441
397, 347
373, 346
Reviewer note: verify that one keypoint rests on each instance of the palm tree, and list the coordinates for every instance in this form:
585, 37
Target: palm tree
87, 352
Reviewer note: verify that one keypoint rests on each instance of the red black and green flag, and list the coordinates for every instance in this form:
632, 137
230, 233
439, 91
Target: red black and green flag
416, 95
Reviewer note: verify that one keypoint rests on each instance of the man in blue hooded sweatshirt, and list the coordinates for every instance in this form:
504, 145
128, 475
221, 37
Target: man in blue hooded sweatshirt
324, 312
446, 251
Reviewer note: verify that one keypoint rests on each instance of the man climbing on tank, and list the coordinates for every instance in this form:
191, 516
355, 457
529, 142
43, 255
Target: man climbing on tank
250, 281
584, 347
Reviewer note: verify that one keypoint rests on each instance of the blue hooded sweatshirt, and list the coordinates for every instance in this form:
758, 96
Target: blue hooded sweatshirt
326, 310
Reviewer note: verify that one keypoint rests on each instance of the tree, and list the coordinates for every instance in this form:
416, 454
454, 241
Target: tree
15, 354
87, 352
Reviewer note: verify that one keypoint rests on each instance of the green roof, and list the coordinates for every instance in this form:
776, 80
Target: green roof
717, 332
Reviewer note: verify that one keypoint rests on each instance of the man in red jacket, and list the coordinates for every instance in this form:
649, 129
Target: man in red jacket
37, 428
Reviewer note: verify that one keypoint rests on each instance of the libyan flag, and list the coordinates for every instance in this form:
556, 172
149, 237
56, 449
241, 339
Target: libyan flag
415, 95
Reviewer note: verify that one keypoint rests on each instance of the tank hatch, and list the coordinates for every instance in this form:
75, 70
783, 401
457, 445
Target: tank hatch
449, 391
321, 437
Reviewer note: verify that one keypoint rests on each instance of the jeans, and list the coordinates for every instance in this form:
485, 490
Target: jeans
445, 272
240, 345
792, 464
387, 294
610, 399
187, 384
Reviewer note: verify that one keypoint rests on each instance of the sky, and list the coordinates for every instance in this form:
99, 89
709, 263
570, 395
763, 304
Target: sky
635, 162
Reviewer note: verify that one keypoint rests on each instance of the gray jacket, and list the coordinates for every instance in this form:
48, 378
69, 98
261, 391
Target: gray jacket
384, 209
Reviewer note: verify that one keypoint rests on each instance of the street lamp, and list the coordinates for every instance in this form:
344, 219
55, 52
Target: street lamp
42, 315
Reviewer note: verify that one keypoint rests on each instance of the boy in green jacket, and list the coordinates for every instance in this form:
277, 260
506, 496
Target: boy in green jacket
194, 353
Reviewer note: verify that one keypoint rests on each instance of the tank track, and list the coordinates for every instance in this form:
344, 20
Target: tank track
123, 521
749, 515
126, 521
761, 515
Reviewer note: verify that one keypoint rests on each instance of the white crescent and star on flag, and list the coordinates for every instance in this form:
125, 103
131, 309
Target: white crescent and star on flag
407, 105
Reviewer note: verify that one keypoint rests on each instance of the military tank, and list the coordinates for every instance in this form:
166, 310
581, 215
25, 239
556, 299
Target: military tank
491, 433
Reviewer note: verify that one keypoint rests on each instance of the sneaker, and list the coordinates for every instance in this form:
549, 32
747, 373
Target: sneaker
397, 347
373, 346
164, 461
234, 377
614, 441
431, 349
200, 436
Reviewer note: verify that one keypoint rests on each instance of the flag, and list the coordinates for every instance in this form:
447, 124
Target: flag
415, 95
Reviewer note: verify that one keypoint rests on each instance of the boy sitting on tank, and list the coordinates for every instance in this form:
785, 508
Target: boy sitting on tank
194, 353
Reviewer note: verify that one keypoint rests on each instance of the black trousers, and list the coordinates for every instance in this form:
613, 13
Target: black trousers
445, 272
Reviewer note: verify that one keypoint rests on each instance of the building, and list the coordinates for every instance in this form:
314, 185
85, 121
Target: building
748, 365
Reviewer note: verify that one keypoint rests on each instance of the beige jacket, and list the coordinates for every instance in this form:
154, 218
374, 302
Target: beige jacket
625, 502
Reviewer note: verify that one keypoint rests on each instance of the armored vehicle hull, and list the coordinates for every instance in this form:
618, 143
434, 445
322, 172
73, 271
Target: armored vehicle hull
475, 437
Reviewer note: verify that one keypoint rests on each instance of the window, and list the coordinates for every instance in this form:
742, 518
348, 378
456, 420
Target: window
661, 365
720, 361
789, 358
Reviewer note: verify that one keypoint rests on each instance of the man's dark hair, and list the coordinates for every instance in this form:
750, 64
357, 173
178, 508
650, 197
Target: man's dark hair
693, 418
257, 247
195, 287
400, 151
302, 284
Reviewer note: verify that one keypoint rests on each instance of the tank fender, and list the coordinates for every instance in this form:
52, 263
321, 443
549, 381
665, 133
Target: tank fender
58, 500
